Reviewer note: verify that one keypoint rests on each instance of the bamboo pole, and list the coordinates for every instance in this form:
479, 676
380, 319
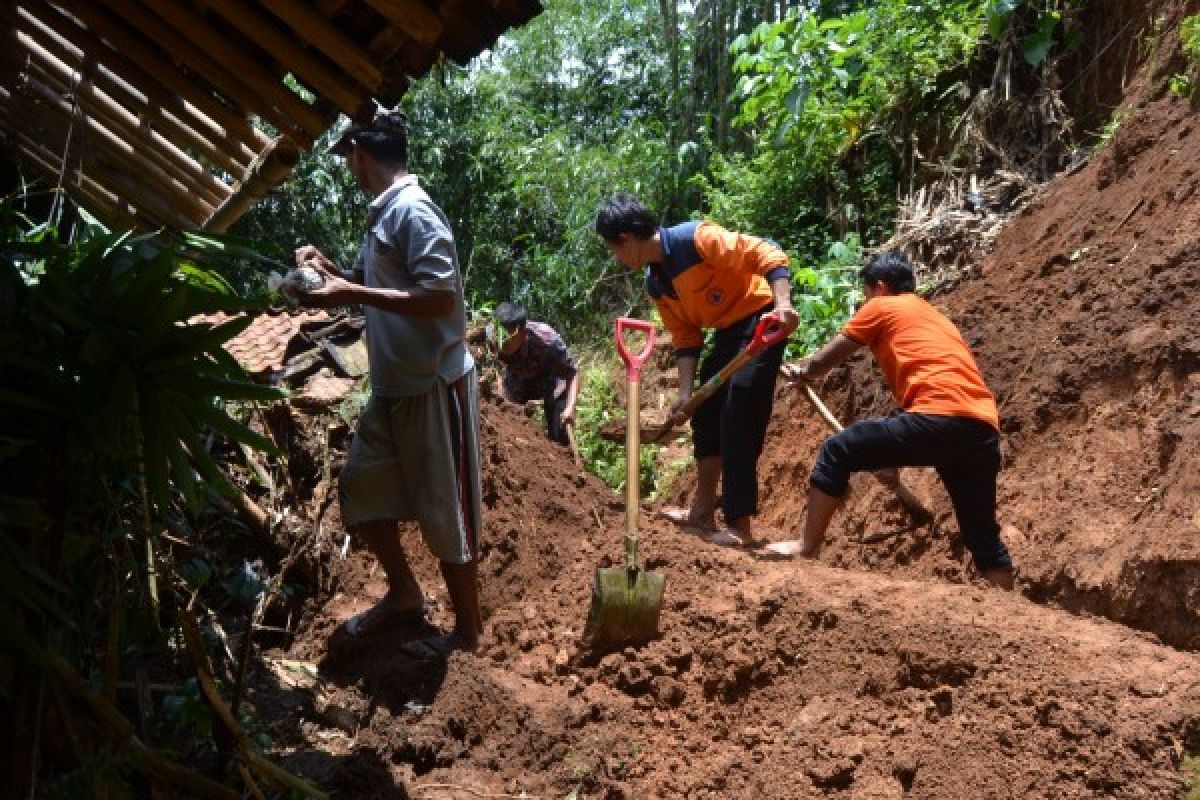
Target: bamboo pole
387, 43
140, 20
142, 97
147, 196
105, 201
123, 44
330, 83
411, 16
248, 68
109, 208
271, 168
97, 183
146, 760
123, 152
162, 151
320, 32
194, 646
51, 162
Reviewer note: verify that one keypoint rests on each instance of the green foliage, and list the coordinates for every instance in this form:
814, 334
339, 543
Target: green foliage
825, 84
598, 404
522, 147
1037, 33
826, 296
1184, 84
826, 97
109, 399
187, 711
101, 369
320, 205
1106, 134
1189, 38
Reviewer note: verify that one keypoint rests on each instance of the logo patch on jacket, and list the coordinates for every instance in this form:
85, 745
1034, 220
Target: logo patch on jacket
716, 296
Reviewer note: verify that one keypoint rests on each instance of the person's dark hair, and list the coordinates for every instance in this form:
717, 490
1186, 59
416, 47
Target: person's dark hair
390, 149
624, 213
511, 316
384, 138
893, 268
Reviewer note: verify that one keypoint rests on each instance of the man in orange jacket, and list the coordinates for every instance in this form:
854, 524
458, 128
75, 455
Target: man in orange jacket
703, 277
948, 419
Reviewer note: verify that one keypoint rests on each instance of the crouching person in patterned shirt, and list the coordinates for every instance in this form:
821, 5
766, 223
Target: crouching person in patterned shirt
415, 454
537, 366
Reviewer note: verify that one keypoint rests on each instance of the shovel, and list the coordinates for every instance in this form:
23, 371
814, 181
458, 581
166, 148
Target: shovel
769, 332
627, 601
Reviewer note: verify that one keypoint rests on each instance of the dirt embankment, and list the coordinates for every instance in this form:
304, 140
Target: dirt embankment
1086, 325
770, 680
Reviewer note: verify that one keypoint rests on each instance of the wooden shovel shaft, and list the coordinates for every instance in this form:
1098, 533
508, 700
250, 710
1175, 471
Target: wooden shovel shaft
703, 393
907, 498
633, 435
574, 446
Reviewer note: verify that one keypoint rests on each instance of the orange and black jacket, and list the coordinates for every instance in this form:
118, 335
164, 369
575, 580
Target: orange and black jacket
710, 278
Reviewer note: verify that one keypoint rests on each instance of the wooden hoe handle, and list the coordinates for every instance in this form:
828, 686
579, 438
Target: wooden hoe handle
907, 498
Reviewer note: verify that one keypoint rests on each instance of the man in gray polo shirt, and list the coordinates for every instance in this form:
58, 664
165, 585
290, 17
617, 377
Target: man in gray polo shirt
415, 454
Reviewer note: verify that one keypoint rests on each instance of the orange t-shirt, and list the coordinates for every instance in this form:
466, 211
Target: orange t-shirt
711, 278
924, 358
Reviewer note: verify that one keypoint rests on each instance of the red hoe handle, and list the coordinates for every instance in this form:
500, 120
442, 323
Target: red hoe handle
768, 333
634, 363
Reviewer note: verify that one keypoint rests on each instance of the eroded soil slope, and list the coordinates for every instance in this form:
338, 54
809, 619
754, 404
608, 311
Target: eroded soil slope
1086, 324
770, 681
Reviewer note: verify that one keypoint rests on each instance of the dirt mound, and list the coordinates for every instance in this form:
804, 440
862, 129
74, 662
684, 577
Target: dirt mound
770, 680
1086, 325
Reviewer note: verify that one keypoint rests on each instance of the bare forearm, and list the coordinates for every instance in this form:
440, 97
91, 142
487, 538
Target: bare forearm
573, 391
781, 288
415, 302
835, 352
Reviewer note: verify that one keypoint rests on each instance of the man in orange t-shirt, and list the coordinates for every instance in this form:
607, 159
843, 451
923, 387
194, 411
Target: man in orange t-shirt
703, 277
948, 419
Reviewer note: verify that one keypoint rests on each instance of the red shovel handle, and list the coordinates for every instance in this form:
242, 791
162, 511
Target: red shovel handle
633, 363
768, 333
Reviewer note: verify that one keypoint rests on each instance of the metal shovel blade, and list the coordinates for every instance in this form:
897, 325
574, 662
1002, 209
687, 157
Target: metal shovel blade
626, 605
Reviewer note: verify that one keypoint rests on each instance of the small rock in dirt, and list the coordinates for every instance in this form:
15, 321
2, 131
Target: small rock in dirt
1149, 689
668, 691
562, 660
749, 737
634, 679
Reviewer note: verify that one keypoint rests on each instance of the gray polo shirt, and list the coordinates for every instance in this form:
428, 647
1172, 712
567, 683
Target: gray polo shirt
408, 243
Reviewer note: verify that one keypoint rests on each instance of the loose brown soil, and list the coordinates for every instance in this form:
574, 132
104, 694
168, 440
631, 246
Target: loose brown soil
886, 670
770, 680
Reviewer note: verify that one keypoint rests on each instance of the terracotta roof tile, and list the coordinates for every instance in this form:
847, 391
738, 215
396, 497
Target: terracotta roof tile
263, 346
324, 389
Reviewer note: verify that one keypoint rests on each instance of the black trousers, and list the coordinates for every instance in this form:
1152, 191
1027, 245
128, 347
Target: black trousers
732, 423
553, 408
965, 452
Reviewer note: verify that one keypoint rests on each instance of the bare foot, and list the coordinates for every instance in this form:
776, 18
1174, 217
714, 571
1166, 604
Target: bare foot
387, 613
434, 648
689, 518
790, 548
